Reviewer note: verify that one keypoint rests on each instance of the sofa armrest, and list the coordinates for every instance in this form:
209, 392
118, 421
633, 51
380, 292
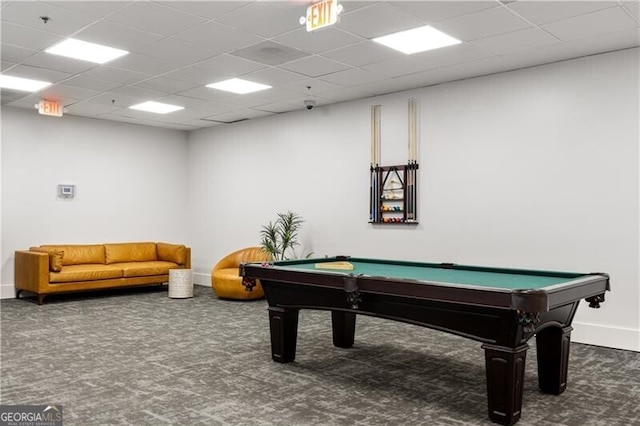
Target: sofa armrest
187, 258
31, 271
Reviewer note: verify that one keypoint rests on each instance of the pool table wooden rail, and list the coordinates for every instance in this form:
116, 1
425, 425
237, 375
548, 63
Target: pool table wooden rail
527, 300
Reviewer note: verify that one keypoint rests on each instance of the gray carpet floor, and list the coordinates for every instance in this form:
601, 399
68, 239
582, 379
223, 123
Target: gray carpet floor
137, 357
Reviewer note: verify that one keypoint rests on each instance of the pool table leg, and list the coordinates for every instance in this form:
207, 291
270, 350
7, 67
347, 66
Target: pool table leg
552, 347
344, 328
505, 382
283, 323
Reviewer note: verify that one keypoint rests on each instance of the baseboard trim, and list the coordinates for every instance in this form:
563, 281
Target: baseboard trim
7, 291
202, 279
602, 335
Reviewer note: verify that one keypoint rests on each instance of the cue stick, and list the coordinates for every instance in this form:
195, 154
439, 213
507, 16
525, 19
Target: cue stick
375, 142
410, 177
371, 175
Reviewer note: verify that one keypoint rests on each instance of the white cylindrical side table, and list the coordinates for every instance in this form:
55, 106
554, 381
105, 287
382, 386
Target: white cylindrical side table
180, 283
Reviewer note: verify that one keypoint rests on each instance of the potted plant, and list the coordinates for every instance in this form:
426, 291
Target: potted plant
280, 239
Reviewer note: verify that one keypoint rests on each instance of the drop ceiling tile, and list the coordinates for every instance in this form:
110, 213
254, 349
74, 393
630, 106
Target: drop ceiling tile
213, 107
480, 67
574, 49
155, 18
19, 35
544, 12
314, 66
398, 66
633, 7
89, 109
596, 23
60, 92
177, 52
517, 40
117, 100
6, 65
389, 86
264, 18
218, 37
91, 83
91, 8
59, 63
166, 85
270, 53
194, 74
312, 87
378, 19
366, 52
184, 101
139, 92
352, 77
228, 66
280, 107
251, 100
451, 55
16, 54
318, 41
350, 5
435, 11
118, 36
345, 94
143, 64
239, 115
205, 9
481, 24
114, 74
206, 93
274, 76
61, 21
416, 80
42, 74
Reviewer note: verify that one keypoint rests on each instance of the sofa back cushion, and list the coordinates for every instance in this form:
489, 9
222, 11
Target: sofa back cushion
130, 252
176, 253
79, 254
55, 257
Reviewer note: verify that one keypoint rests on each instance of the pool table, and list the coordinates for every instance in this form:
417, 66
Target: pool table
502, 308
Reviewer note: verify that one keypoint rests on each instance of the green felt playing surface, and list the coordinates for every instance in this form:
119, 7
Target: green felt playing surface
485, 278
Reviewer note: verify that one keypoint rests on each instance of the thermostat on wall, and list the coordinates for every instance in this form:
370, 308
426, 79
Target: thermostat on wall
66, 191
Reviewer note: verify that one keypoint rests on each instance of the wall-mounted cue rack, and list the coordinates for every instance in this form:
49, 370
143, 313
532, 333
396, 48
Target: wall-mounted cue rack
393, 192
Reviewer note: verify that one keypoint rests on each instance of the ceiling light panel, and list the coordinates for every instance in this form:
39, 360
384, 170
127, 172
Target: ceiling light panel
85, 51
239, 86
22, 84
156, 107
417, 40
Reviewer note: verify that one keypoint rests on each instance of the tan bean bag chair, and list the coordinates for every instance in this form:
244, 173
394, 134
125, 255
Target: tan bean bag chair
225, 276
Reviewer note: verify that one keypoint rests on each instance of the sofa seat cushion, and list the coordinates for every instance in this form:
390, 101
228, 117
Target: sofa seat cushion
90, 272
130, 252
80, 254
143, 269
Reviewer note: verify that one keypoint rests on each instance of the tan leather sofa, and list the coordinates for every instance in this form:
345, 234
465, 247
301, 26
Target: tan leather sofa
52, 269
225, 276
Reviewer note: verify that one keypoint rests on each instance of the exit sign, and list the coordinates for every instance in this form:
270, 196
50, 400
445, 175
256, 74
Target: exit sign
53, 108
321, 14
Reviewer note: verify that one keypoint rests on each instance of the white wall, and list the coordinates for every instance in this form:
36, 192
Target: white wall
131, 183
535, 168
